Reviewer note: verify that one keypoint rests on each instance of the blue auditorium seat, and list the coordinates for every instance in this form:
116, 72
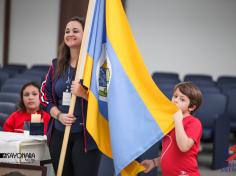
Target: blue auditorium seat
12, 88
9, 97
193, 77
199, 79
226, 80
3, 117
166, 75
231, 109
3, 77
216, 126
14, 69
225, 83
7, 107
209, 89
17, 67
40, 67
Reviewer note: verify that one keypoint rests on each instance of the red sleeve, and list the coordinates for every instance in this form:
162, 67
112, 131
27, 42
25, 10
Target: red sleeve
46, 118
193, 129
15, 122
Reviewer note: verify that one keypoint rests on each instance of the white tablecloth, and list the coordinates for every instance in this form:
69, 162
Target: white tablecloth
23, 148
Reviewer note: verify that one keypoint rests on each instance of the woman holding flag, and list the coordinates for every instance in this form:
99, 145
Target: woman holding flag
82, 155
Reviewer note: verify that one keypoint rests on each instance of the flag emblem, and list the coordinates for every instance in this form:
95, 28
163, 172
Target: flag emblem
103, 75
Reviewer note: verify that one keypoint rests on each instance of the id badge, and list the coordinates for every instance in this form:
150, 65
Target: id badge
66, 98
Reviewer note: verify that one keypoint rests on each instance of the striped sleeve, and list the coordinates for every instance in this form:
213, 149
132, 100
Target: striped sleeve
47, 90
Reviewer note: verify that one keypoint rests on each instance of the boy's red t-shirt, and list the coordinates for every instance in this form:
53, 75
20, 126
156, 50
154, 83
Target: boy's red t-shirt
177, 163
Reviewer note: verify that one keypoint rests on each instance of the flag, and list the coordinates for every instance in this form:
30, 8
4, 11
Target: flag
127, 113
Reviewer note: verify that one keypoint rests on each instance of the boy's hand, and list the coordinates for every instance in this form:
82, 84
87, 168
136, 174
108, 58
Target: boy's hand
178, 115
148, 164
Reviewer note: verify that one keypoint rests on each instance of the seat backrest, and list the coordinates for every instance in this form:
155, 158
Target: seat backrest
222, 80
213, 106
227, 87
165, 75
166, 86
17, 67
9, 97
165, 78
209, 89
2, 71
40, 67
7, 107
231, 105
14, 81
3, 78
199, 79
30, 77
40, 73
168, 93
202, 82
159, 81
3, 118
193, 77
12, 88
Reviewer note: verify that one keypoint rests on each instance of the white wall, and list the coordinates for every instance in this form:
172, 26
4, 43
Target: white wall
34, 31
2, 6
186, 36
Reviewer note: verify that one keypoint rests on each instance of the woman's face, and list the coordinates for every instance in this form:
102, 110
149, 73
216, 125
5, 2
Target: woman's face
73, 34
31, 98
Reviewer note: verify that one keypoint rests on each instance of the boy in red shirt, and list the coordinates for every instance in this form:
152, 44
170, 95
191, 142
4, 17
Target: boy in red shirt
181, 145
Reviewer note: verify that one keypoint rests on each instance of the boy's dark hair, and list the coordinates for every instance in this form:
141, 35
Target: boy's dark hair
21, 105
192, 92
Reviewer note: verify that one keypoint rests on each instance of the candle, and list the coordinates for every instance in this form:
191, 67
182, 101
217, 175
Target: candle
35, 118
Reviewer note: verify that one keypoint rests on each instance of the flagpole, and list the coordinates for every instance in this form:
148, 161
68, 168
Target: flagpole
78, 77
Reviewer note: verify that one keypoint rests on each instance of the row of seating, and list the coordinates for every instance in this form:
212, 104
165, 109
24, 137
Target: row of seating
166, 80
12, 77
19, 68
215, 114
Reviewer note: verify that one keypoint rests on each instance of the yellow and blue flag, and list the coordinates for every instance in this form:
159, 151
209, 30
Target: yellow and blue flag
127, 113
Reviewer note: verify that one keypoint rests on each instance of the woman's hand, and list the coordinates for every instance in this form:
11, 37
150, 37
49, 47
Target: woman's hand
78, 90
66, 119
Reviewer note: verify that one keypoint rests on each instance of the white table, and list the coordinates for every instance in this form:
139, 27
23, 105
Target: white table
23, 148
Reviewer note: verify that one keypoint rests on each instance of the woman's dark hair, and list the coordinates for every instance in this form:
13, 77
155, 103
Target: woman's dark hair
192, 92
64, 52
21, 105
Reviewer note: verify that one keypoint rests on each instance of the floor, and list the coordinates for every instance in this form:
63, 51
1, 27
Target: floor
204, 159
205, 162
